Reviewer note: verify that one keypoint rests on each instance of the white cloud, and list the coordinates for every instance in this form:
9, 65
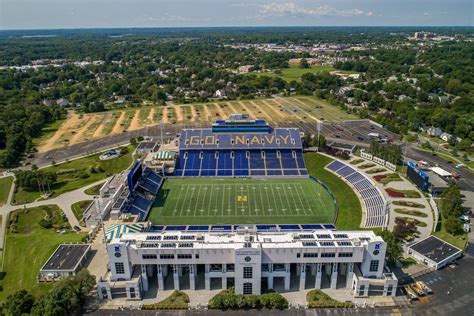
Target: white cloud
293, 9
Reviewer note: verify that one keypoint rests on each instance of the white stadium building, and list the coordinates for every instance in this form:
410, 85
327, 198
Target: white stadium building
251, 261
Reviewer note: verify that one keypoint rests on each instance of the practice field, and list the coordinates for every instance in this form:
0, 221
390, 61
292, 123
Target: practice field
294, 110
242, 201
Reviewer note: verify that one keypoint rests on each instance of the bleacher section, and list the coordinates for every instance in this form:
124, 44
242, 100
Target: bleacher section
373, 200
235, 228
141, 199
204, 153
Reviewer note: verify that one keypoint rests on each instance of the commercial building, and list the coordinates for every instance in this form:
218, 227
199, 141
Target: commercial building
249, 259
434, 252
66, 260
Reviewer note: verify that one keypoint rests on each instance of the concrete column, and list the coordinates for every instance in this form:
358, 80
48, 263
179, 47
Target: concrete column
270, 282
287, 276
176, 269
303, 276
313, 269
109, 293
144, 277
192, 277
224, 282
207, 279
127, 289
349, 274
319, 268
334, 276
161, 283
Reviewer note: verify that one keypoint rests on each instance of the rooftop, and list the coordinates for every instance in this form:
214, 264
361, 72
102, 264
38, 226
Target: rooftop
214, 240
435, 249
66, 257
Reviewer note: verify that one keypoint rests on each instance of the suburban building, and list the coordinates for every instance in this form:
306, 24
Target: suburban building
66, 260
251, 258
434, 252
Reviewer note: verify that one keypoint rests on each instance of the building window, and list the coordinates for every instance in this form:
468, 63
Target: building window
328, 255
374, 266
119, 268
248, 272
298, 255
230, 267
167, 256
310, 255
149, 256
247, 288
345, 255
185, 256
196, 256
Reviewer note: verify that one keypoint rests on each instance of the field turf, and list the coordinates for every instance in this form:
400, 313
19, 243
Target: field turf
242, 201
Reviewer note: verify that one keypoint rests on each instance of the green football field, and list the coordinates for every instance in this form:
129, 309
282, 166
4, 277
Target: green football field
242, 201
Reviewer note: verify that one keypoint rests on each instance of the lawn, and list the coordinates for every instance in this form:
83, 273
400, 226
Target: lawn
350, 212
27, 250
458, 241
294, 72
78, 209
95, 190
5, 186
78, 173
242, 201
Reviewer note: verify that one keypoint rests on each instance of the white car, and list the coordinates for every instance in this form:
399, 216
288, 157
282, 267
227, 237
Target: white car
460, 165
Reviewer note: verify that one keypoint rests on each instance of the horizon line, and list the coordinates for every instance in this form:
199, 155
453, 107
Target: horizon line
223, 27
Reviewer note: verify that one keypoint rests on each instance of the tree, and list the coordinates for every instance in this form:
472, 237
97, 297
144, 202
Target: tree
67, 296
453, 225
306, 140
304, 63
394, 248
19, 303
451, 202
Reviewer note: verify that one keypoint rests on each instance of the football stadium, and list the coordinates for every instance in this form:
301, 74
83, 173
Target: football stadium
232, 204
239, 171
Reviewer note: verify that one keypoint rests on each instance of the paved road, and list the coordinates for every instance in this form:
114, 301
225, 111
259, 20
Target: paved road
466, 182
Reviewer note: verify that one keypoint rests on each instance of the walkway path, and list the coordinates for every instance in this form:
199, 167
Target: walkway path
64, 201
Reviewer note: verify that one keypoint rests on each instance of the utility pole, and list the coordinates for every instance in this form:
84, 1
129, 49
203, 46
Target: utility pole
319, 132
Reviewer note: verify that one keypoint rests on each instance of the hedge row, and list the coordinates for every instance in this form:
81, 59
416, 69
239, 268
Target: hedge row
318, 299
177, 300
227, 299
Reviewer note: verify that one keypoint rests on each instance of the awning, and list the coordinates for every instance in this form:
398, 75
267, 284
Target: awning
116, 230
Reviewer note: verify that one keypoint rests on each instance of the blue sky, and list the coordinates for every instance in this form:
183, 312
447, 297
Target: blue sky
31, 14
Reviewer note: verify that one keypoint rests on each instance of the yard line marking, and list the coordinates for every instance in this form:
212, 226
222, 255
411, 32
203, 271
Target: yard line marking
197, 199
178, 202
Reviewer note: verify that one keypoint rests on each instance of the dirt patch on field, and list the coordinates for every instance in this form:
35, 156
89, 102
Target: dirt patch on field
118, 127
261, 112
68, 125
247, 110
179, 113
194, 115
151, 115
135, 123
220, 111
208, 113
99, 131
78, 134
274, 111
232, 108
166, 112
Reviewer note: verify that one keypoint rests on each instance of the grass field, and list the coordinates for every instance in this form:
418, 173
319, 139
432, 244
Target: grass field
28, 249
350, 211
294, 72
78, 173
5, 186
77, 128
242, 201
78, 209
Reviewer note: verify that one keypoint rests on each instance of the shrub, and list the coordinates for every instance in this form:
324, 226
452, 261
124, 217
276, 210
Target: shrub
82, 175
177, 300
227, 299
45, 223
318, 299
